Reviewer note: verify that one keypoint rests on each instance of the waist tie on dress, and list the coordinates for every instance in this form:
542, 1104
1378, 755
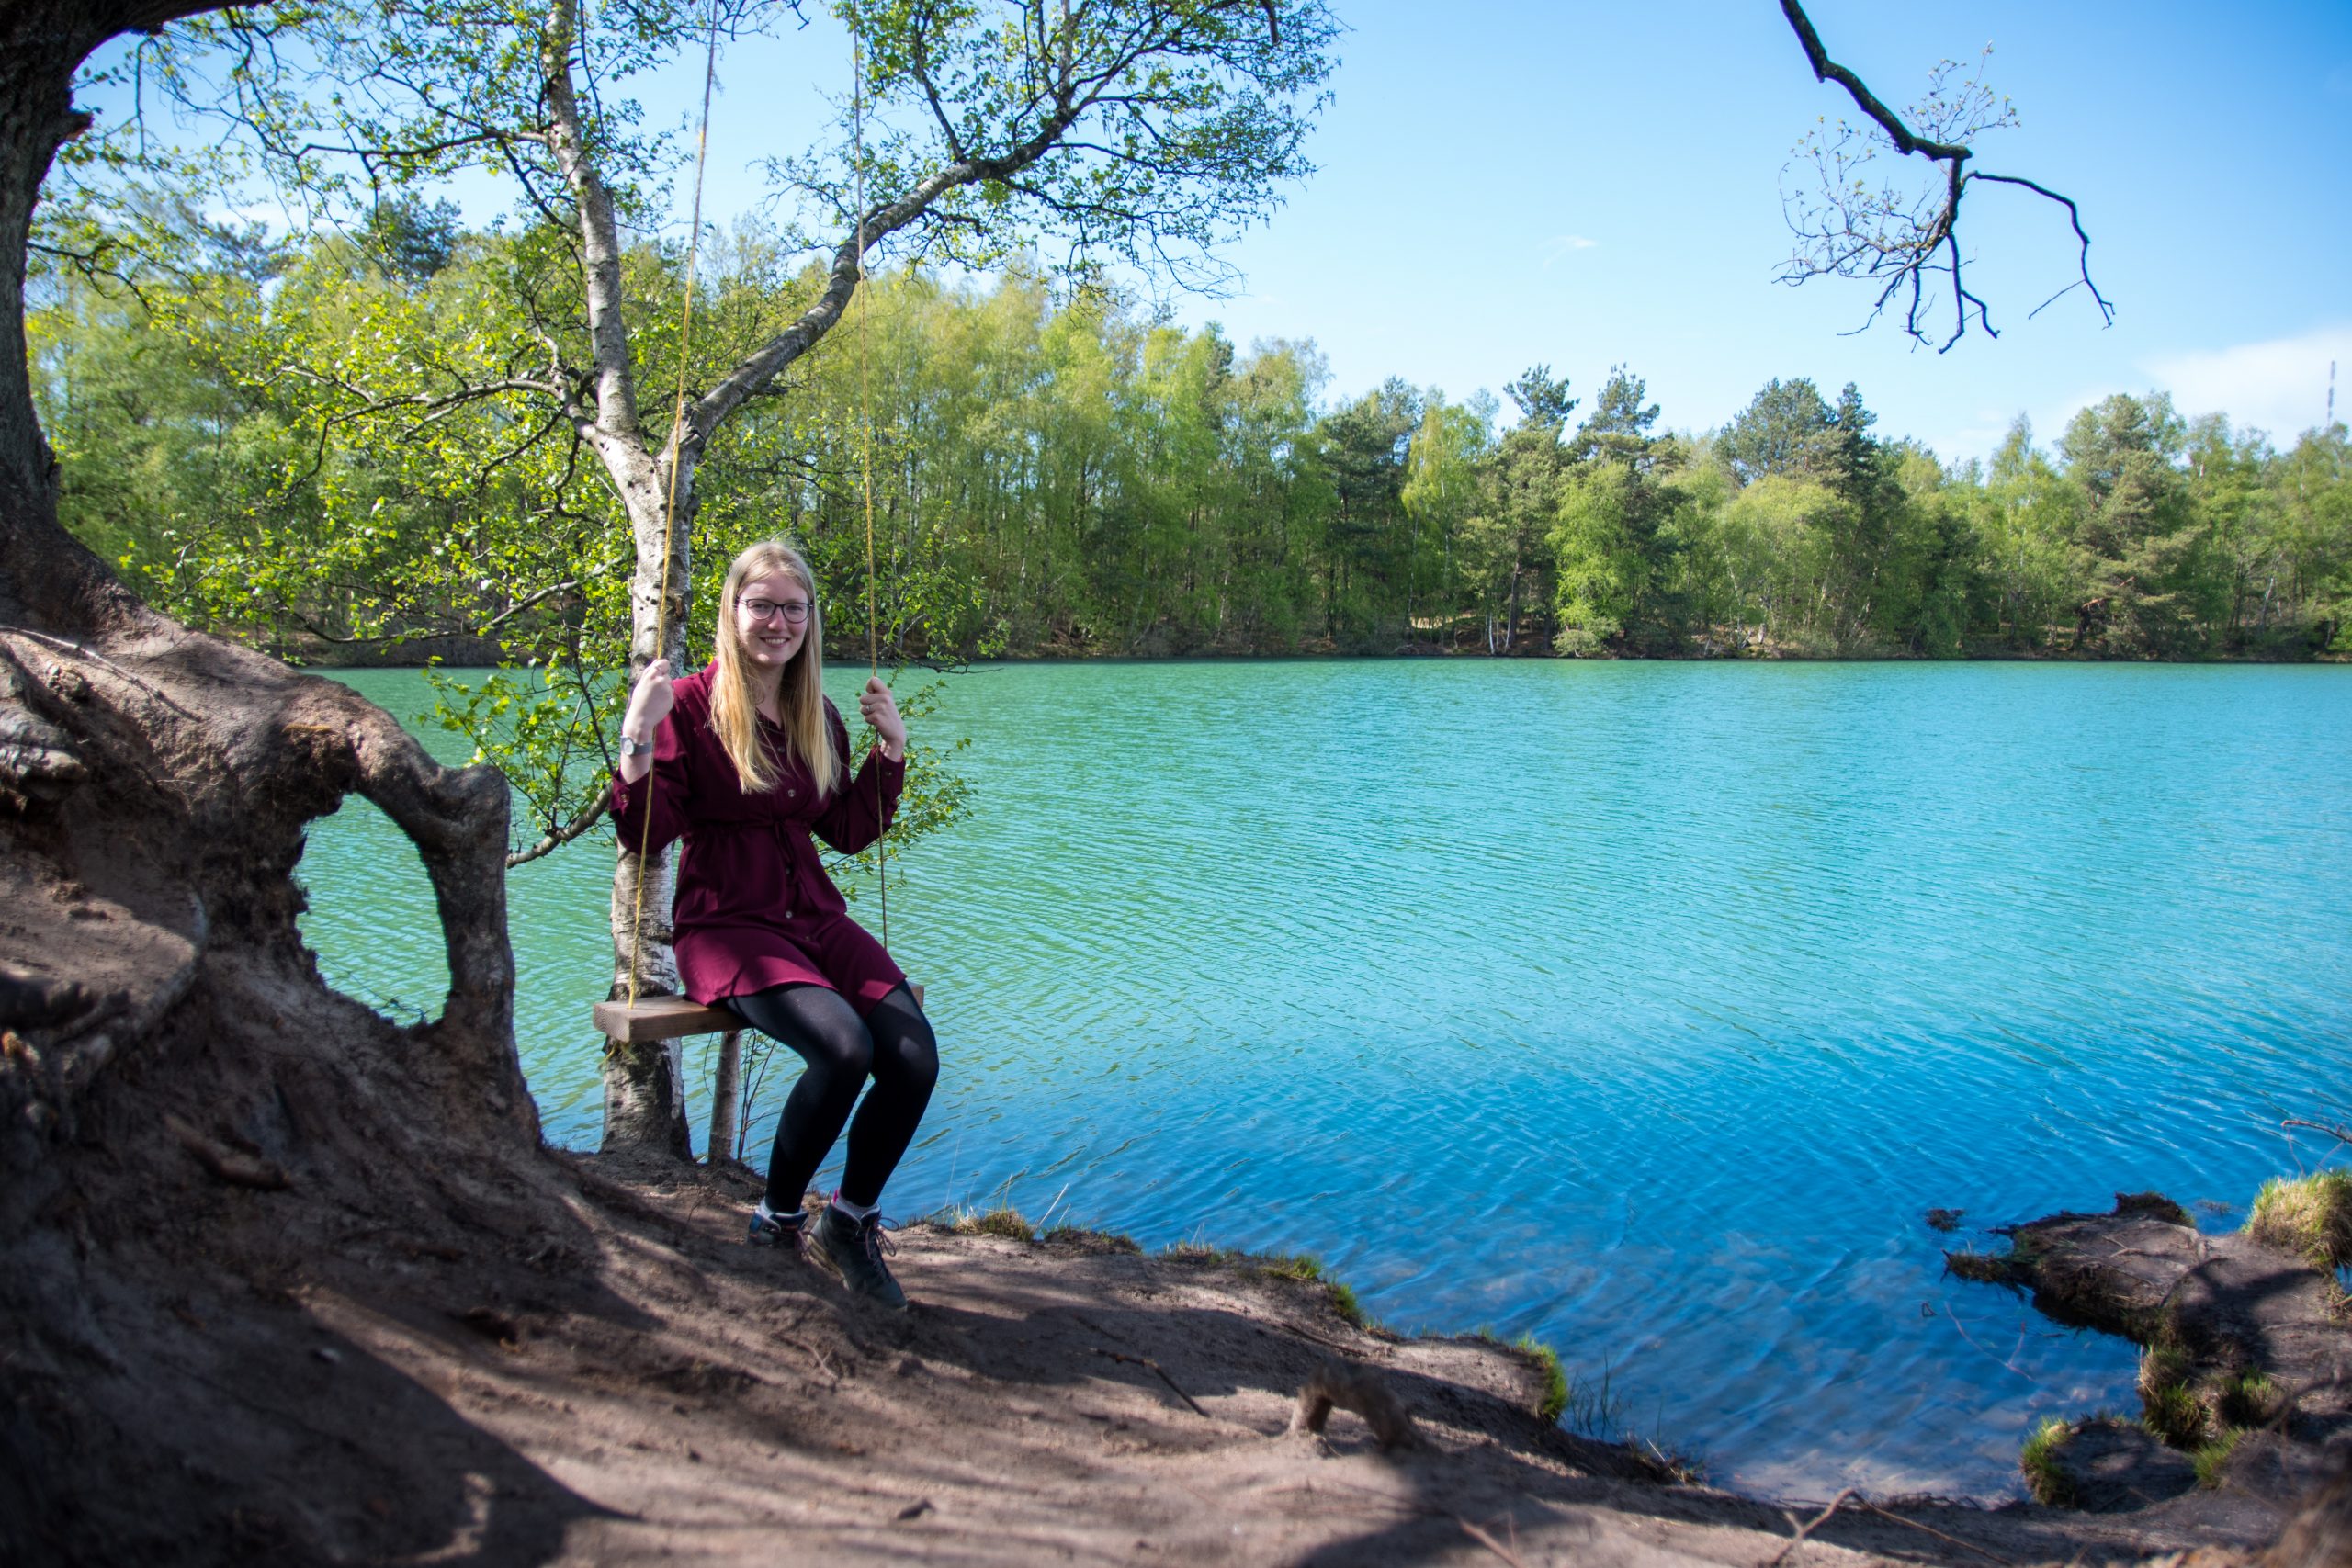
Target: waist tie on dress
781, 828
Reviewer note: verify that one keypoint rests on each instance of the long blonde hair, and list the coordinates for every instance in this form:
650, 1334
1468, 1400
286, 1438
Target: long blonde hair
735, 701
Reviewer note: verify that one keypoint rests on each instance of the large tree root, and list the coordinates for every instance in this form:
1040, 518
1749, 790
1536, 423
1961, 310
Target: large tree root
195, 1130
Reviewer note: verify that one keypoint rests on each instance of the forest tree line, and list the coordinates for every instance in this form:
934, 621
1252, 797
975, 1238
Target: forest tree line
257, 437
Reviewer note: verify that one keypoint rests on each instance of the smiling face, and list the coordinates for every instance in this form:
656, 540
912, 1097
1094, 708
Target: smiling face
769, 641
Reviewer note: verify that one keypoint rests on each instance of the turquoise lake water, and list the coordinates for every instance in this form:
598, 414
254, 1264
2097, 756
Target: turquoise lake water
1646, 1007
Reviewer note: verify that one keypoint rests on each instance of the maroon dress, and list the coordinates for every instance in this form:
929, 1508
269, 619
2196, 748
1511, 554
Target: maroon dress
754, 906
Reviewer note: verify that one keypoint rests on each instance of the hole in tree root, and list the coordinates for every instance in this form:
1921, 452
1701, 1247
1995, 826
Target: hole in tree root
371, 922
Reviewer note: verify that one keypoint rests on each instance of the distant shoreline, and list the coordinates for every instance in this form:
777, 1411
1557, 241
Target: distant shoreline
339, 658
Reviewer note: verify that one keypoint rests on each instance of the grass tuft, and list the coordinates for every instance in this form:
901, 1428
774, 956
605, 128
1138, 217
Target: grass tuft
2163, 1366
2249, 1399
1090, 1239
2214, 1457
1546, 1360
2044, 1476
2174, 1417
1983, 1267
1299, 1266
1194, 1252
1004, 1220
2308, 1215
1344, 1302
2169, 1408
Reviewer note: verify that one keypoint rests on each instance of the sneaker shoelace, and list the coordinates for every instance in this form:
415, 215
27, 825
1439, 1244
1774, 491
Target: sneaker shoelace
874, 1231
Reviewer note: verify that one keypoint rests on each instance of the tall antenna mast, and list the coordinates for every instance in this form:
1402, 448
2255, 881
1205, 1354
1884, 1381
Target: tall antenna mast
2331, 395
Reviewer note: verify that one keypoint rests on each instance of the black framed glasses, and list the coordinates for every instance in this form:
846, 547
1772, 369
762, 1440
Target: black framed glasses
794, 611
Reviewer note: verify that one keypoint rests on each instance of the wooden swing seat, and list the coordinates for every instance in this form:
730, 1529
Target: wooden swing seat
672, 1018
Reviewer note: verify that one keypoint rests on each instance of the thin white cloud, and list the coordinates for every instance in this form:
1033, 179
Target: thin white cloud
2280, 386
1559, 245
1987, 427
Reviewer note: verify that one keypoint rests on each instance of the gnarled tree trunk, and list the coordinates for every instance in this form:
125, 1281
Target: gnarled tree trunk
185, 1105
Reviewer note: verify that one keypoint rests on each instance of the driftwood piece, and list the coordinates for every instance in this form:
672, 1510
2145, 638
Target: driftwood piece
1358, 1389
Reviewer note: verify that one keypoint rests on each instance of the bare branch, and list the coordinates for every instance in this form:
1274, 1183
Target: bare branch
1853, 232
2073, 216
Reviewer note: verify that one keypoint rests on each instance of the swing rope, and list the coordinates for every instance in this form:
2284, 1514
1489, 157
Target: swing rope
865, 458
677, 452
677, 438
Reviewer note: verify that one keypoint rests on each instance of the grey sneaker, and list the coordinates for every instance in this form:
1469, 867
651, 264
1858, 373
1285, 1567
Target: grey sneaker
788, 1231
856, 1248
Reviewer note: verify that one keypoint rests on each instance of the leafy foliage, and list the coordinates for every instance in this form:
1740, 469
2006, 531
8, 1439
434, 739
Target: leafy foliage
1064, 476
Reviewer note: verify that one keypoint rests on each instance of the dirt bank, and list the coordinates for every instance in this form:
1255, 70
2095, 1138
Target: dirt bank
546, 1364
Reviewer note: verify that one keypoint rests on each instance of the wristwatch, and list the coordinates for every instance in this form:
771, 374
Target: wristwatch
631, 746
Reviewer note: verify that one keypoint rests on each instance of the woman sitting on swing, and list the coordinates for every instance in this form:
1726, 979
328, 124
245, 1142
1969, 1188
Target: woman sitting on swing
745, 760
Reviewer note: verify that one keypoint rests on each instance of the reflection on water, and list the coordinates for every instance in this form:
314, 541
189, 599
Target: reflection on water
1644, 1008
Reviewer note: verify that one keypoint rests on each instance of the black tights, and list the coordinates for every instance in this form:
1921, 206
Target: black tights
893, 1043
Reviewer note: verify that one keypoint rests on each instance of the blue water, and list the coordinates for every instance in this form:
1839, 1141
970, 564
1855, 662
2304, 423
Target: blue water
1644, 1008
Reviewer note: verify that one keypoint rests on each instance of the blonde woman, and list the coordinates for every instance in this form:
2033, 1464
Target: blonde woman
746, 761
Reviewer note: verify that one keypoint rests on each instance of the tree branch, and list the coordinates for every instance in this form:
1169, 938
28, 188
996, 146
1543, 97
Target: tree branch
1827, 70
2073, 216
1893, 243
557, 837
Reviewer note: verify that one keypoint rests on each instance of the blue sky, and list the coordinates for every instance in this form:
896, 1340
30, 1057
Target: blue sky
1470, 149
1584, 186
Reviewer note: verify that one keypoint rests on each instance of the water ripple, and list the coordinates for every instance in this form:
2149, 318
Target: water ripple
1642, 1007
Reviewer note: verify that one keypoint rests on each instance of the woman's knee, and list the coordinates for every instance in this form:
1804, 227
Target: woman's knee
911, 1061
846, 1048
905, 1051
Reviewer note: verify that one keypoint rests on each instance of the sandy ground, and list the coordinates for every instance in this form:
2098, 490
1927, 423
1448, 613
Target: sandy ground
649, 1388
